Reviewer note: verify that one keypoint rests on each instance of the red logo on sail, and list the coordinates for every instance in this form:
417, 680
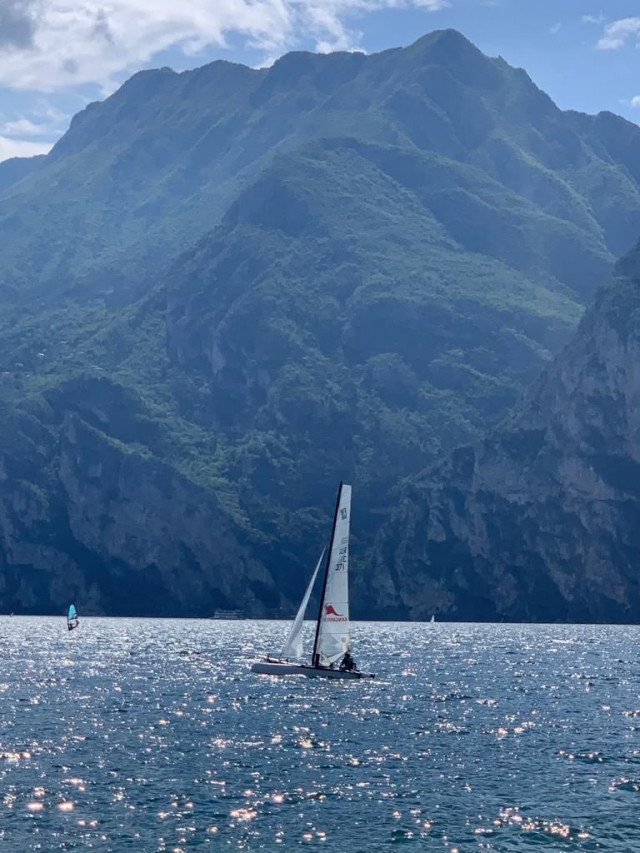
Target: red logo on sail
332, 615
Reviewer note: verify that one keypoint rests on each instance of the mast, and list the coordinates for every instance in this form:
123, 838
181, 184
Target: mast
326, 575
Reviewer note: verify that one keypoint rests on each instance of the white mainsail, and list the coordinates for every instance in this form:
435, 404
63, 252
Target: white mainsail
294, 643
332, 639
332, 625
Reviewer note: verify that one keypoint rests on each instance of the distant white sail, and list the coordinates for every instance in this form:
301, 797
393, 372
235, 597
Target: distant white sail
293, 647
333, 629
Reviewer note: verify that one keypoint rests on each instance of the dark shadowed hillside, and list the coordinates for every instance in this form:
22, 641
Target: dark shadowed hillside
227, 289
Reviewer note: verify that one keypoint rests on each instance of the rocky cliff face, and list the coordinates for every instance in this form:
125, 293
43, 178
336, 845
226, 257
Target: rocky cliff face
85, 516
542, 520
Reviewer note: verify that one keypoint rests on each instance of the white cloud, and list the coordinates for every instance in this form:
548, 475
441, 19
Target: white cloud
617, 33
43, 121
593, 19
60, 44
21, 148
21, 127
555, 29
429, 5
635, 101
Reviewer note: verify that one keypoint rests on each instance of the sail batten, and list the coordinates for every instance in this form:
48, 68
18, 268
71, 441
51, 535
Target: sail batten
332, 634
293, 646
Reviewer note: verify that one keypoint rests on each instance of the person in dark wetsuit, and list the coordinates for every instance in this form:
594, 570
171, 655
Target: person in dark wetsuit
347, 664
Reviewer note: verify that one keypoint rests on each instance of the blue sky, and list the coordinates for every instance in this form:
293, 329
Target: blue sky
57, 55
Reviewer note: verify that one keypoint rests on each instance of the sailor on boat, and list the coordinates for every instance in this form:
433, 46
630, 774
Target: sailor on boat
347, 664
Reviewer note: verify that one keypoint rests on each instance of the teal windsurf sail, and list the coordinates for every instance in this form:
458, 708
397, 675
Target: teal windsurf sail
72, 618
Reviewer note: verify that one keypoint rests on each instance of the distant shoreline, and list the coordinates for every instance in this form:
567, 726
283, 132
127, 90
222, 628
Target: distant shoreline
284, 620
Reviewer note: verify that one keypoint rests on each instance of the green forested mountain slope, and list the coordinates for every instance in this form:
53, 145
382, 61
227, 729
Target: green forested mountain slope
254, 283
348, 331
139, 177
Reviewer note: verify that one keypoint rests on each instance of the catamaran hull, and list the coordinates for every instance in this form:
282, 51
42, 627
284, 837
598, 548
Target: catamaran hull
284, 668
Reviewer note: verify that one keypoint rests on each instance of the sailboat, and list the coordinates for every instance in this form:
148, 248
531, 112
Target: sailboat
72, 618
332, 639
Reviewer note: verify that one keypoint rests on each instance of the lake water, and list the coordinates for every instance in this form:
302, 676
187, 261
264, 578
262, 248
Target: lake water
152, 735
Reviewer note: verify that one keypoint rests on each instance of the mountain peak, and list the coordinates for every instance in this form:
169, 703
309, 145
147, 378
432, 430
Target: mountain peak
147, 83
450, 50
449, 37
448, 42
297, 63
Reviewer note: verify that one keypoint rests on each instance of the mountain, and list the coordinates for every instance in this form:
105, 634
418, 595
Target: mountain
227, 289
17, 168
540, 521
142, 175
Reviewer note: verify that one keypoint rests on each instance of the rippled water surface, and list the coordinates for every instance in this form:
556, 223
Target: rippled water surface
152, 735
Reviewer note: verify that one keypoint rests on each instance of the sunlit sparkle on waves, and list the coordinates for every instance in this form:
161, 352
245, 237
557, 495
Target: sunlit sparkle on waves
153, 736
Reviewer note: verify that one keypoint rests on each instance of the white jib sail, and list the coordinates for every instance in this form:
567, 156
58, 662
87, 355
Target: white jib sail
333, 636
294, 644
